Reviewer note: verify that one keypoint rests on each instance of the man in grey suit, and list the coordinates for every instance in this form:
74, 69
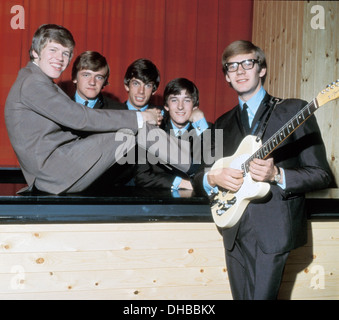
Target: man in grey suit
43, 124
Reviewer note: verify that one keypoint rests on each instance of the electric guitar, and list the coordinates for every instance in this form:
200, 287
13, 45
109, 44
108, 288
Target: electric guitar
227, 207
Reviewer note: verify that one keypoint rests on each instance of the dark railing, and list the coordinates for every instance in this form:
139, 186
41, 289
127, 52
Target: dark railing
128, 204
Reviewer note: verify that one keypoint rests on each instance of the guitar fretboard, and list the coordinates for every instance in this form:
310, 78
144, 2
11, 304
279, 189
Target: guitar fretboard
267, 148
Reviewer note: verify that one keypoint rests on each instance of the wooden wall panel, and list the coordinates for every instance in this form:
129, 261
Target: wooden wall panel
112, 261
302, 60
312, 271
320, 67
167, 261
277, 29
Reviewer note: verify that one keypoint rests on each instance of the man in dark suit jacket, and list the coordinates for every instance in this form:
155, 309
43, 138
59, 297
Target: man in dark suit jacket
258, 245
90, 73
183, 118
141, 81
42, 123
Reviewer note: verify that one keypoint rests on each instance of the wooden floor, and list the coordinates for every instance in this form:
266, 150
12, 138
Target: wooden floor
147, 261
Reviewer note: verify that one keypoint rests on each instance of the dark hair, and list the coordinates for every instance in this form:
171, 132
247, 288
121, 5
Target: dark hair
244, 47
90, 60
51, 32
175, 87
144, 70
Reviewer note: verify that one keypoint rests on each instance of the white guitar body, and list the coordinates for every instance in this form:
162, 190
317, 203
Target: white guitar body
228, 207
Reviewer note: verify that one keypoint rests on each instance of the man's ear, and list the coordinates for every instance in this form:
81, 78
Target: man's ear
227, 78
75, 81
195, 108
35, 55
126, 87
166, 108
262, 72
153, 93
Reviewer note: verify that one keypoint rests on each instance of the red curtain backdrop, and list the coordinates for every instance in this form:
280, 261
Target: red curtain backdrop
184, 38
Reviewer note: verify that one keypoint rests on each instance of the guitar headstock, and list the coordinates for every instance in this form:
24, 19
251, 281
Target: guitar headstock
330, 93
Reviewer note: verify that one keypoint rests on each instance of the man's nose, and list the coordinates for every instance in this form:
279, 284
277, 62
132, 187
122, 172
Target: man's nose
92, 81
180, 105
240, 70
141, 88
60, 56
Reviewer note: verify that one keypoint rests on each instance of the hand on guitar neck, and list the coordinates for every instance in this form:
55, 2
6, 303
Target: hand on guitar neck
263, 170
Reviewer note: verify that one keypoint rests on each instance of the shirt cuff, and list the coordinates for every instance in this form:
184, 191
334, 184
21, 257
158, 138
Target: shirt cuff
208, 189
140, 120
200, 126
176, 183
283, 184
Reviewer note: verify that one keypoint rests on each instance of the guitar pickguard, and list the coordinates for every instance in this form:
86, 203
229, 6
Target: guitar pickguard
227, 207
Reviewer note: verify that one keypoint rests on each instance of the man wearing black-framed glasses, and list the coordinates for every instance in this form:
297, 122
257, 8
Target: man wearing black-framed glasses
257, 246
247, 64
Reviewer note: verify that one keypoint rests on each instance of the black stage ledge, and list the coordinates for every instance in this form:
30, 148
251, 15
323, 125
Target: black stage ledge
119, 205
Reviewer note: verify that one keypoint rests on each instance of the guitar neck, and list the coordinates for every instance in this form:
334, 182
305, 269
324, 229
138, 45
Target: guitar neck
272, 143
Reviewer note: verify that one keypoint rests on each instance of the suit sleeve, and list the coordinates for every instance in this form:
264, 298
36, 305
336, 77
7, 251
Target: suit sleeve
46, 99
208, 154
153, 176
313, 171
303, 158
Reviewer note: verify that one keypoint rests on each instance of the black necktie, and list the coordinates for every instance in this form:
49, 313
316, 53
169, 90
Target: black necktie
244, 118
86, 103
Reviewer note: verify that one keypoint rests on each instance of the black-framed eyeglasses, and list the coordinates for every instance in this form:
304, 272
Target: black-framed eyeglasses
246, 65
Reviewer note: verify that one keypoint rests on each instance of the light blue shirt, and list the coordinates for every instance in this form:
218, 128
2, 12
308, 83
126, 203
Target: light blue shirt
131, 107
253, 104
200, 126
176, 129
91, 102
144, 108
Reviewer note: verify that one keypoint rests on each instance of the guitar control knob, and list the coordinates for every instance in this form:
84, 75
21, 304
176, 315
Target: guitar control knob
220, 212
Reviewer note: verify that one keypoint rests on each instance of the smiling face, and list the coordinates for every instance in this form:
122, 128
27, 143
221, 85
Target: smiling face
245, 82
139, 93
180, 108
89, 83
53, 60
